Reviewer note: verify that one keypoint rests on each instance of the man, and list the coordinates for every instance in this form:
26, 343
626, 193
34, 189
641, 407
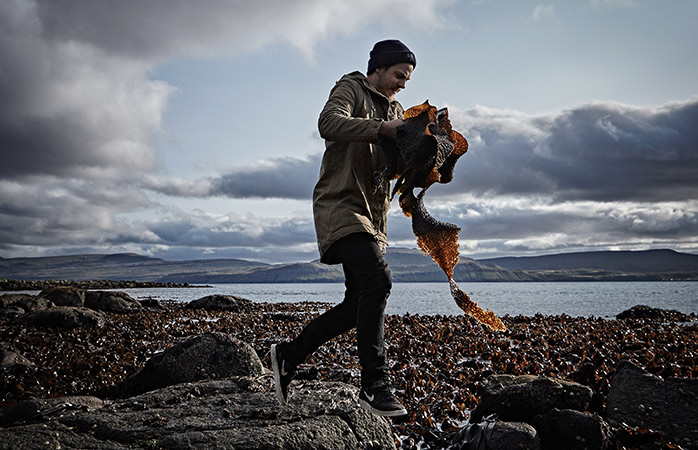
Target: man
350, 213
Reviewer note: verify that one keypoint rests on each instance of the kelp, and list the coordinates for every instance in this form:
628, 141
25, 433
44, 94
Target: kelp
425, 152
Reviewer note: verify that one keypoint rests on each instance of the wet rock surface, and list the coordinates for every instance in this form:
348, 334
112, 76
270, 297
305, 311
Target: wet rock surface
64, 295
440, 366
510, 435
669, 406
230, 413
571, 429
554, 412
64, 317
521, 398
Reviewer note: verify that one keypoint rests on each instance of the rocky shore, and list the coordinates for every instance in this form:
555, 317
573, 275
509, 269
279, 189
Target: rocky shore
93, 369
37, 285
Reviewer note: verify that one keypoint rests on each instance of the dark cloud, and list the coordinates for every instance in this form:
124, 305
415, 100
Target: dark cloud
48, 211
70, 109
288, 177
599, 151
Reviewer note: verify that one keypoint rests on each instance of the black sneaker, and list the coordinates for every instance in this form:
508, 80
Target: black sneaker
379, 400
283, 372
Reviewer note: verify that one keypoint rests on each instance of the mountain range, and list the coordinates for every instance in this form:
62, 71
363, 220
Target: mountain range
407, 265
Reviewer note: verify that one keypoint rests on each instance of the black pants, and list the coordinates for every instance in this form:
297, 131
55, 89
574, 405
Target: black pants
368, 284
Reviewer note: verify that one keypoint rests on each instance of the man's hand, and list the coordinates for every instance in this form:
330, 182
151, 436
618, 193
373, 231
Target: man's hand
389, 128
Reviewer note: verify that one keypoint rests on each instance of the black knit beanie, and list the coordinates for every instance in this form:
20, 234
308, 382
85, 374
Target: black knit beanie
389, 52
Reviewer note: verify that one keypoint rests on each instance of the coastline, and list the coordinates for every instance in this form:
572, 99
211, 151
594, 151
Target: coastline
38, 285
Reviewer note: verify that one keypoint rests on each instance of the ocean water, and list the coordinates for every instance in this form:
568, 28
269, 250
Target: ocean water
577, 299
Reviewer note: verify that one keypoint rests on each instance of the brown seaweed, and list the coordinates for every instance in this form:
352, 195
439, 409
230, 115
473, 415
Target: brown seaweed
438, 362
425, 152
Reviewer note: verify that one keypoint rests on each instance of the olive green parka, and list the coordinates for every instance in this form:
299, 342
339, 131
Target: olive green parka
345, 200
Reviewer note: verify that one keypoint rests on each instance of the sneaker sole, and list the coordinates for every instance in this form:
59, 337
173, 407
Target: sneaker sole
394, 413
277, 376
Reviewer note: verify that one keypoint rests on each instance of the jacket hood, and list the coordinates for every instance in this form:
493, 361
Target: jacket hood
361, 78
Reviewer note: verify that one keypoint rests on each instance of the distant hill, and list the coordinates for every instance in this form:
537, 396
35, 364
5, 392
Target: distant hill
122, 266
405, 264
648, 264
625, 261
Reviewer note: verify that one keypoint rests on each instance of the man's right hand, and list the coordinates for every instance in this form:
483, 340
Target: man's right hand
389, 128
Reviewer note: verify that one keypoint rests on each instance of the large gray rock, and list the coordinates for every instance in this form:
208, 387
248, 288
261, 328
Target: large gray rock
210, 355
641, 399
235, 413
573, 430
513, 435
112, 301
521, 398
64, 317
35, 304
32, 303
221, 303
491, 434
9, 299
11, 312
64, 295
645, 312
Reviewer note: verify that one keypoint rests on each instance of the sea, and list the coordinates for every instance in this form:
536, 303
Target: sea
576, 299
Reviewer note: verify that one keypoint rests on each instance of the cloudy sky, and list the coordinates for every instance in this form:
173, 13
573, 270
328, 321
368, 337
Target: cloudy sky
182, 129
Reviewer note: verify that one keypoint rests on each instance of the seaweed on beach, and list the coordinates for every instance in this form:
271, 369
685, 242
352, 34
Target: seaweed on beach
438, 362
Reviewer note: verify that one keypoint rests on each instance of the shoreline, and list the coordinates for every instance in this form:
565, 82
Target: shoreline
38, 285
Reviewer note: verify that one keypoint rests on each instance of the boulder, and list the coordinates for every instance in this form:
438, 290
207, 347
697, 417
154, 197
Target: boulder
510, 435
649, 313
152, 304
64, 317
11, 312
210, 355
240, 413
32, 303
573, 430
491, 434
521, 398
221, 303
112, 301
640, 399
64, 295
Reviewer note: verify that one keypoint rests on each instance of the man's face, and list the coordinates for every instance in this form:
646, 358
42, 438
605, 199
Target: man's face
391, 80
